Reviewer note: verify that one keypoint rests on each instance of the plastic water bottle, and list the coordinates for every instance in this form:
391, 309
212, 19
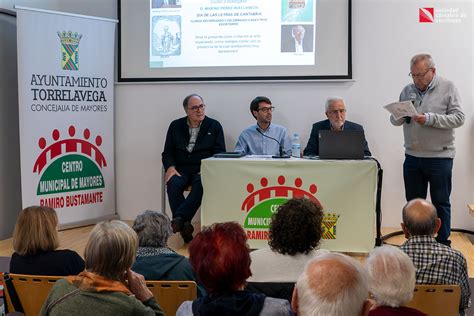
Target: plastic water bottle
295, 146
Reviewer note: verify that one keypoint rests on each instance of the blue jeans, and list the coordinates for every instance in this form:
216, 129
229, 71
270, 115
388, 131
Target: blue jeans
184, 207
437, 172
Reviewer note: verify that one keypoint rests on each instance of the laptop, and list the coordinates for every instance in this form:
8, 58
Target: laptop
341, 145
230, 154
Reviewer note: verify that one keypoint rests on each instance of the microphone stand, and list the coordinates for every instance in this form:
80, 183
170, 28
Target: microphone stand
280, 155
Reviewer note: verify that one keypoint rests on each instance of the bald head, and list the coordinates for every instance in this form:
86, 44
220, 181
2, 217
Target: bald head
420, 218
332, 284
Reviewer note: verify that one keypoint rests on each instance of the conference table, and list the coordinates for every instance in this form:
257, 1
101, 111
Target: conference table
249, 190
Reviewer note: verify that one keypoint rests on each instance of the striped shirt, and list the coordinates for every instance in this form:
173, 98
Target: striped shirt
436, 263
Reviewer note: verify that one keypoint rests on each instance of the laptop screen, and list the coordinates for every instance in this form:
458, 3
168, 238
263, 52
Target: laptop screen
341, 145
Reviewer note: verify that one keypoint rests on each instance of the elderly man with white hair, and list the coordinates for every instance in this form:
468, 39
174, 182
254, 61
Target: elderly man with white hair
391, 282
336, 121
332, 284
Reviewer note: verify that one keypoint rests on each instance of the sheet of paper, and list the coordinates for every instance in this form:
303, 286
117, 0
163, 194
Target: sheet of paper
401, 109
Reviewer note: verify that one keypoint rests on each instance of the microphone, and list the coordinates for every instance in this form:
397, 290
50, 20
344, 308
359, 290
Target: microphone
413, 101
281, 154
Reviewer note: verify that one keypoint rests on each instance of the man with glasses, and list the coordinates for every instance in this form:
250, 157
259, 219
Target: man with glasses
189, 140
429, 138
336, 114
265, 137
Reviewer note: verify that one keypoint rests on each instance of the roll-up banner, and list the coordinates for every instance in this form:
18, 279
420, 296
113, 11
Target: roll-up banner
66, 100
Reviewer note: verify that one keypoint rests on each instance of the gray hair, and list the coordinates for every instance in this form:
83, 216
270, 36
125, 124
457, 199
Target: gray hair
297, 27
429, 62
111, 249
153, 229
391, 276
332, 99
332, 284
188, 97
419, 217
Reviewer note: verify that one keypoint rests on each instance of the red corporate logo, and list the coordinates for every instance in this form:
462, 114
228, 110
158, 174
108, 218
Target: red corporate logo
426, 15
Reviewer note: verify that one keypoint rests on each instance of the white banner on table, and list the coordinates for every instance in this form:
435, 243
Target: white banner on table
249, 191
66, 98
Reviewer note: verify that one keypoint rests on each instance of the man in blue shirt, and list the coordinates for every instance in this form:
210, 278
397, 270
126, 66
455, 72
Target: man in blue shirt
257, 139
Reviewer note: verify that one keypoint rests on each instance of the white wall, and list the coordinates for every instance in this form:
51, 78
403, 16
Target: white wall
385, 35
10, 186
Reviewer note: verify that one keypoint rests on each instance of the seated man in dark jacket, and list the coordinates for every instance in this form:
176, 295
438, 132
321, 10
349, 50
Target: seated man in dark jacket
189, 140
336, 114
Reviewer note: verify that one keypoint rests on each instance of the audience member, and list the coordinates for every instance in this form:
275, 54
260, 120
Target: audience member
295, 233
220, 256
336, 114
108, 286
435, 263
155, 260
35, 241
332, 284
256, 139
391, 282
189, 140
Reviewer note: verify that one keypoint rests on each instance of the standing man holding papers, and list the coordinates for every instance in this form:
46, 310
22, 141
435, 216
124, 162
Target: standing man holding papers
265, 137
189, 140
336, 114
429, 138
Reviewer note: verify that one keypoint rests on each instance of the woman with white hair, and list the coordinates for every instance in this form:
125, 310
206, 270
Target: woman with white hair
108, 286
155, 260
391, 282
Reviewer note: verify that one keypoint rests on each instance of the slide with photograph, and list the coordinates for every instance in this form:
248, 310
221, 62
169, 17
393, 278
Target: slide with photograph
207, 33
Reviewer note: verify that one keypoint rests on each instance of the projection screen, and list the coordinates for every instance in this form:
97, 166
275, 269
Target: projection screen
234, 40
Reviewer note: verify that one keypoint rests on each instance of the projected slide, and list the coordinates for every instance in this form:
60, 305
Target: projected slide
217, 33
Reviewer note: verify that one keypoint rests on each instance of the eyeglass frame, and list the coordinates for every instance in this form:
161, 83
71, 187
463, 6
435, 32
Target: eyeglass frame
413, 76
335, 112
196, 108
266, 109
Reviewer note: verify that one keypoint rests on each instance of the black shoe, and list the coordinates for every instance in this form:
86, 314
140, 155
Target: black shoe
187, 232
177, 224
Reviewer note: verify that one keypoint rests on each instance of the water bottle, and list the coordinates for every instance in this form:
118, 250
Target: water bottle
295, 146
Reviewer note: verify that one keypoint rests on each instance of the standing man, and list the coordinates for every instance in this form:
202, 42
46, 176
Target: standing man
256, 139
189, 140
336, 114
429, 138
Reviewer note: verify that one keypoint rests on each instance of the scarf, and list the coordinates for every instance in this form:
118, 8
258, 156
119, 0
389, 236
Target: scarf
88, 281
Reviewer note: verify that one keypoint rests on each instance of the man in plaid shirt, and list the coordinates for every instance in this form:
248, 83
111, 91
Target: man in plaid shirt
435, 263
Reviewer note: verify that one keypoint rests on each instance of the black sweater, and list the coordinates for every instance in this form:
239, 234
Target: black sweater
210, 141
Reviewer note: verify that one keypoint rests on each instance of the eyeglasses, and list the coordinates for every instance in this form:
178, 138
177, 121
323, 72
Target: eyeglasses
267, 109
197, 107
414, 76
337, 111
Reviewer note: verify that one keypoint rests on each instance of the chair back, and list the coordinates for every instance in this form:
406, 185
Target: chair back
436, 300
32, 291
171, 294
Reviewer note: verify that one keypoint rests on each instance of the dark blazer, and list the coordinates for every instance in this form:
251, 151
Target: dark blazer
210, 141
312, 149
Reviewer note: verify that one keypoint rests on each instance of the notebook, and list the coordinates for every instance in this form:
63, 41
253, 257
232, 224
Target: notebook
341, 145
